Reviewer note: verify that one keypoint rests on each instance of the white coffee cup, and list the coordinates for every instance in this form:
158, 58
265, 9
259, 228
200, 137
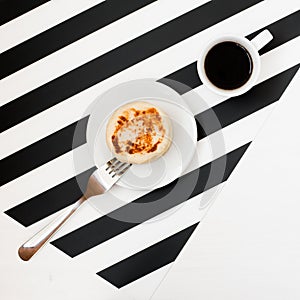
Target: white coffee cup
252, 47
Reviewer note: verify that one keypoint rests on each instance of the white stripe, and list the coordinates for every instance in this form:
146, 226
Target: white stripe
49, 175
56, 118
43, 124
92, 46
40, 19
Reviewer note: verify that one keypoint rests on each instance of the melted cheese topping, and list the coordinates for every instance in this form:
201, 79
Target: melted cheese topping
138, 132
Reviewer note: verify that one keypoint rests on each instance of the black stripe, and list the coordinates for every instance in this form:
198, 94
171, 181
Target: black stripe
110, 225
187, 75
239, 107
42, 151
118, 59
10, 9
49, 202
283, 31
66, 33
150, 259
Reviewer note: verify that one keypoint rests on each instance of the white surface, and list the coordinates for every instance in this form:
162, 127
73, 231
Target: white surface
248, 245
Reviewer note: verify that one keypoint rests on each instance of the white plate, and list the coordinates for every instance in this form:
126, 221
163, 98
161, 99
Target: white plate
168, 167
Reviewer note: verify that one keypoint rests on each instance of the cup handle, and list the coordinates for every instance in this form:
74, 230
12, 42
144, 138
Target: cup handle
262, 39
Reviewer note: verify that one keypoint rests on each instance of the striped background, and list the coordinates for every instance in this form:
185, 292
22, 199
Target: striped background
52, 71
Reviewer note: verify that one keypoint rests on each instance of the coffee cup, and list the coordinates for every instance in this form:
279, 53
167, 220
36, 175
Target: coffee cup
230, 64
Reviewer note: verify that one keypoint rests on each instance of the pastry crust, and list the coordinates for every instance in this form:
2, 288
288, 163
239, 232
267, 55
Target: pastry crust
138, 132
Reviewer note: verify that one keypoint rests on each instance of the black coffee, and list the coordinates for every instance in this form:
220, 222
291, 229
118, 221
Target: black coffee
228, 65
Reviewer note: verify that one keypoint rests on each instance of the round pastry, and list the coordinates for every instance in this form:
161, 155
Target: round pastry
138, 132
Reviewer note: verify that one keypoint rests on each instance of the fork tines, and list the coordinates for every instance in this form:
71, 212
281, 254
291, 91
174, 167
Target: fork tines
116, 167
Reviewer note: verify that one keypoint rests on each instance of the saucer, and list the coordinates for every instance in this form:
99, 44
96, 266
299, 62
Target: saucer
168, 167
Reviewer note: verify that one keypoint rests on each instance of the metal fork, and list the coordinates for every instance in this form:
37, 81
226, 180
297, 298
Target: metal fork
99, 183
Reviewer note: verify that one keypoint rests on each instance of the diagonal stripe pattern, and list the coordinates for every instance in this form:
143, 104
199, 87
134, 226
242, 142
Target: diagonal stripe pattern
66, 33
54, 92
110, 225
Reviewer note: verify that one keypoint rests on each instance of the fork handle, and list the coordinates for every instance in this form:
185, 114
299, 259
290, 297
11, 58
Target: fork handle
37, 241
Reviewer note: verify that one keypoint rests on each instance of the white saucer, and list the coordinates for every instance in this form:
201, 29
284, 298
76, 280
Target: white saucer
168, 167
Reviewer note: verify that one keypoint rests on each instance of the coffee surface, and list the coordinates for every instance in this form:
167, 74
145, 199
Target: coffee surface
228, 65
